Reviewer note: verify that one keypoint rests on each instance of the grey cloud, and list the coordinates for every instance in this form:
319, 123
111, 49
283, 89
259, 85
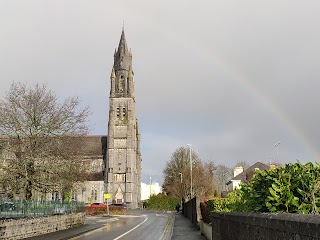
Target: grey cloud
229, 77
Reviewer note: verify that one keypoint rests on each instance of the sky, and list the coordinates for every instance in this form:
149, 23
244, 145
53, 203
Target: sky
232, 78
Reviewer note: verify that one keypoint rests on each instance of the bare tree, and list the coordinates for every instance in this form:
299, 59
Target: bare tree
243, 164
204, 183
43, 136
223, 175
177, 175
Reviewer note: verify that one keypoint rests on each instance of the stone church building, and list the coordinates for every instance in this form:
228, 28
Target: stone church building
123, 157
115, 159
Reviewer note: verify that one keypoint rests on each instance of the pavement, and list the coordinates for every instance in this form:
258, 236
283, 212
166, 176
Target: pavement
184, 229
181, 229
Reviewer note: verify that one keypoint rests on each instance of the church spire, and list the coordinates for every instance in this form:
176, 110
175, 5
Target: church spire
122, 58
122, 48
122, 84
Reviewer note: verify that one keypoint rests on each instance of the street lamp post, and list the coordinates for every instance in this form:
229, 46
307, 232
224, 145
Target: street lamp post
277, 147
191, 192
180, 173
150, 186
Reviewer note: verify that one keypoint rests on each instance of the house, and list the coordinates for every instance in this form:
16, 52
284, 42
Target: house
147, 190
241, 175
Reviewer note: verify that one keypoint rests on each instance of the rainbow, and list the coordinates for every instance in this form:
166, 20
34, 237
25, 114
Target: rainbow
288, 123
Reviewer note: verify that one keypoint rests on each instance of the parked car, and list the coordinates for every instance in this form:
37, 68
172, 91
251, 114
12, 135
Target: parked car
98, 205
123, 205
7, 206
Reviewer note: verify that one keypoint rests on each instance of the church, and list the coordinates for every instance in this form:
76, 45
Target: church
112, 162
115, 159
123, 158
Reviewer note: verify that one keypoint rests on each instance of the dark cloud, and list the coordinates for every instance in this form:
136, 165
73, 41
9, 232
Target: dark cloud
230, 77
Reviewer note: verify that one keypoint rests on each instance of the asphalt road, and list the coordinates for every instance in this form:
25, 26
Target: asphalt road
138, 225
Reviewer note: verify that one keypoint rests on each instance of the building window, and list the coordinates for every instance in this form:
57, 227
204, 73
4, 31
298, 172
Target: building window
119, 177
94, 193
118, 112
55, 196
74, 196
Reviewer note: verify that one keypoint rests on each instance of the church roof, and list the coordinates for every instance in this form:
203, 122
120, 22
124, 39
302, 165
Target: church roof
90, 145
93, 145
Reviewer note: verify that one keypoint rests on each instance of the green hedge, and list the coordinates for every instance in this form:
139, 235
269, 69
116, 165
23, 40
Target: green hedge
292, 188
163, 202
218, 205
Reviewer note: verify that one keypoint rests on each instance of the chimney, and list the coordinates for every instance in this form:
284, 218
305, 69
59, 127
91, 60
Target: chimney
237, 170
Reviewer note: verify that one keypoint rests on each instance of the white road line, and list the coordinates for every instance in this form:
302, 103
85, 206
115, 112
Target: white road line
131, 229
108, 220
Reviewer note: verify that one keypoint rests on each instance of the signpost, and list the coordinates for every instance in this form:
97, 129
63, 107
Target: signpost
106, 197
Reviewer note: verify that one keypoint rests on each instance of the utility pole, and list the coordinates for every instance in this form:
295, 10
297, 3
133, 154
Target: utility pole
191, 191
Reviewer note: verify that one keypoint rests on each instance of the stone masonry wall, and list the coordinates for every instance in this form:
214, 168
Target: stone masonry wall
191, 210
30, 227
264, 226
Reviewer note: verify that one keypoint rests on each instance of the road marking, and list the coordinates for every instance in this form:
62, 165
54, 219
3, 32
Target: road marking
166, 228
131, 229
130, 216
108, 220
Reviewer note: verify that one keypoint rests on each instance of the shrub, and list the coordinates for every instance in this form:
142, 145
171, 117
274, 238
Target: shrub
163, 202
204, 212
117, 210
101, 210
96, 210
292, 188
218, 205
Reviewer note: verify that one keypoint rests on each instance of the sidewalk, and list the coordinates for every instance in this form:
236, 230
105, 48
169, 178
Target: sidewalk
183, 229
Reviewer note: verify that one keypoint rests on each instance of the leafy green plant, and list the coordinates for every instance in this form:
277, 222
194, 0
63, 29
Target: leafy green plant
292, 188
163, 202
218, 205
295, 189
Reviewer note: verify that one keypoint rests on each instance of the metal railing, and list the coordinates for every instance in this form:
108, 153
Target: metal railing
23, 208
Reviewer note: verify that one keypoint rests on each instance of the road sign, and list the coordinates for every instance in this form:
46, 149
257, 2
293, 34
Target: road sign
107, 196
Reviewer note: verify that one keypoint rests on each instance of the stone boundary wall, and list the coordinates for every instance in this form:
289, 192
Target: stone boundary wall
30, 227
206, 229
191, 210
265, 226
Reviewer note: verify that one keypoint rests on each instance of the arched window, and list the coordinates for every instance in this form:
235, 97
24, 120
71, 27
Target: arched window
94, 193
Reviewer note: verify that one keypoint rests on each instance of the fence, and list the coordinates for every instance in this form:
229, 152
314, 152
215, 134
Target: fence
22, 208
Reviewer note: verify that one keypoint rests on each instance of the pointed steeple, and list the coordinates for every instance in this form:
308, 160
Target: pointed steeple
123, 48
122, 58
